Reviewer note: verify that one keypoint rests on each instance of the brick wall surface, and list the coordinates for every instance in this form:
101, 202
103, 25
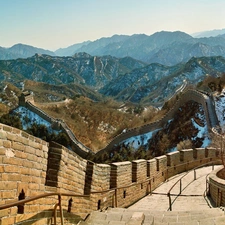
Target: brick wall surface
139, 168
121, 174
31, 166
217, 188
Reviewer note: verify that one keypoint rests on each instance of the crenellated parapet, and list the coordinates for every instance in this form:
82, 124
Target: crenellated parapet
204, 99
30, 166
189, 95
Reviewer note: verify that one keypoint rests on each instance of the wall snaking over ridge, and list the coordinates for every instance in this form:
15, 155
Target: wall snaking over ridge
190, 94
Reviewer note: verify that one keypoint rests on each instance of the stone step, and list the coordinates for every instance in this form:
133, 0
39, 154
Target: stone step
121, 216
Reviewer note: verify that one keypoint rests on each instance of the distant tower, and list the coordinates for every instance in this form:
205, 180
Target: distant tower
26, 96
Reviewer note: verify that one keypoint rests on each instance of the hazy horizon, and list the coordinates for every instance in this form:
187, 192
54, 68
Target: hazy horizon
55, 24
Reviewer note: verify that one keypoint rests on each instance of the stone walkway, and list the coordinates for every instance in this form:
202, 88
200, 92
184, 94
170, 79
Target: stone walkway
192, 196
190, 208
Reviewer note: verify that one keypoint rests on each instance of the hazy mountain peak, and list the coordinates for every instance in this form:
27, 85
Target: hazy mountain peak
23, 51
209, 33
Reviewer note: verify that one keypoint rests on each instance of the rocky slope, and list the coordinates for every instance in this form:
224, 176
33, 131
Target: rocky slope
156, 83
124, 79
82, 69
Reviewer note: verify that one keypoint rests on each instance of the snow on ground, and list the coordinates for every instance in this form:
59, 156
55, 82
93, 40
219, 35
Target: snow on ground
28, 118
140, 140
202, 133
220, 108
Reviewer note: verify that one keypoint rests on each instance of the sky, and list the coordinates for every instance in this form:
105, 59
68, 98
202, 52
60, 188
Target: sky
54, 24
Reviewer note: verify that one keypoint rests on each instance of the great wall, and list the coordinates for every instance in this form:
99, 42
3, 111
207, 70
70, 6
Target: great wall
53, 177
204, 99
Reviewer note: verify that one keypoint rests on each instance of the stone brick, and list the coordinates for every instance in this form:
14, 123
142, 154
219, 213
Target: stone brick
3, 213
39, 153
151, 167
28, 164
16, 131
25, 135
13, 161
21, 154
11, 177
186, 155
32, 157
9, 194
1, 168
25, 178
13, 211
33, 186
139, 170
34, 144
35, 172
6, 144
2, 151
11, 136
161, 163
8, 185
199, 153
18, 146
24, 187
211, 152
3, 134
22, 140
173, 158
30, 150
25, 170
121, 174
7, 221
12, 169
7, 128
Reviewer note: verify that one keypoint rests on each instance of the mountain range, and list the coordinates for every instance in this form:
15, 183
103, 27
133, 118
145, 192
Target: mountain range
209, 33
124, 79
168, 48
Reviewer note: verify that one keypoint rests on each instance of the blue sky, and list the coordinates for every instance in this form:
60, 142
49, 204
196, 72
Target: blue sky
53, 24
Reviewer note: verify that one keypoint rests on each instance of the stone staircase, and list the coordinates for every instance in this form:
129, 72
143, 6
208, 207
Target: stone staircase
121, 216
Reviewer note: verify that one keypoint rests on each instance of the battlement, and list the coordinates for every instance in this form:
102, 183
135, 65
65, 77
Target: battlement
31, 166
26, 99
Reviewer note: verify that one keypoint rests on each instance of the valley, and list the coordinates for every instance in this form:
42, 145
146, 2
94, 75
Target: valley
102, 96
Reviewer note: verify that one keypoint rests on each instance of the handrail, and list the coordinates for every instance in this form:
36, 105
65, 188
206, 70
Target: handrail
179, 181
150, 179
29, 199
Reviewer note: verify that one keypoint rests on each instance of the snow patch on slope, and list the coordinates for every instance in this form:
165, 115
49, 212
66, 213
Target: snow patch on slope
28, 118
140, 140
220, 108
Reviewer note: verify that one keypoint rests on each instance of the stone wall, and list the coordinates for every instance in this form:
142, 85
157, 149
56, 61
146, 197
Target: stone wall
80, 149
30, 166
217, 187
189, 95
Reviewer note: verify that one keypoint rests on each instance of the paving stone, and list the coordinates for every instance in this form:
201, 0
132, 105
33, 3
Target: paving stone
153, 209
206, 222
169, 219
113, 216
96, 216
148, 218
193, 222
126, 216
117, 223
220, 221
176, 223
